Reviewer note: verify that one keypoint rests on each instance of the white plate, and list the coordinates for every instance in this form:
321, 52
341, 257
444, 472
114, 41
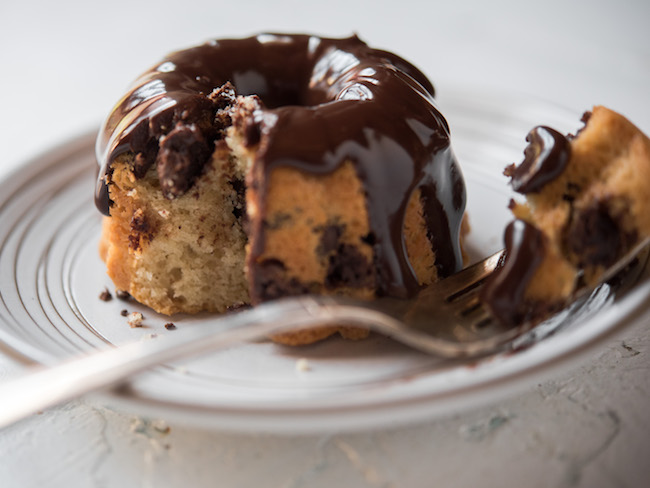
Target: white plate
51, 276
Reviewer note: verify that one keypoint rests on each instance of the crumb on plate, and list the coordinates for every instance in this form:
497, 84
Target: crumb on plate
135, 319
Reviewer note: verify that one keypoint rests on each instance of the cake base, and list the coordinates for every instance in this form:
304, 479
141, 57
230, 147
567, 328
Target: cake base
586, 205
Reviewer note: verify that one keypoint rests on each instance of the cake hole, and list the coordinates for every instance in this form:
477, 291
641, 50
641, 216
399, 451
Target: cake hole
176, 274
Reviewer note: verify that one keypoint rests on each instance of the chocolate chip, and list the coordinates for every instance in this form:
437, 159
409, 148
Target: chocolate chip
122, 294
182, 155
139, 222
329, 239
277, 220
595, 236
141, 229
124, 312
571, 192
349, 268
272, 281
223, 96
105, 295
237, 307
222, 121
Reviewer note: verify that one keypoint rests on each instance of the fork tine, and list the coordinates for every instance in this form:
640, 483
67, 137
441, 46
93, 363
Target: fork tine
475, 313
466, 304
467, 279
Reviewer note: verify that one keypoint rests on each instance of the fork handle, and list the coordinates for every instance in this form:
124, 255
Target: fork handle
47, 386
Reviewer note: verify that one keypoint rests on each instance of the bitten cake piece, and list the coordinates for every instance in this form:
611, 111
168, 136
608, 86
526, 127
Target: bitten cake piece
246, 170
586, 204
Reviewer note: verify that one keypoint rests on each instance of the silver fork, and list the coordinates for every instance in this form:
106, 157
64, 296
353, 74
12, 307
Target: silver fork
444, 319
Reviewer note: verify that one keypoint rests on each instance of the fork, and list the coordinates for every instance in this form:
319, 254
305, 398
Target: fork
445, 319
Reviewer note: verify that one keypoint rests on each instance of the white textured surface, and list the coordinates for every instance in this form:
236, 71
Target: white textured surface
63, 64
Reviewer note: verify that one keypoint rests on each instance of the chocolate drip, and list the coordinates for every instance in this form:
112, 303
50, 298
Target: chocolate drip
545, 158
503, 293
325, 101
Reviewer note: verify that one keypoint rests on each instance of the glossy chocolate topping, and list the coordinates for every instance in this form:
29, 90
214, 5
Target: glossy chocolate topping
324, 101
545, 158
503, 293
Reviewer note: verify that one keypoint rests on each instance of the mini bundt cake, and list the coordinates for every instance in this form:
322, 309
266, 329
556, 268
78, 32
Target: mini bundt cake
586, 204
246, 170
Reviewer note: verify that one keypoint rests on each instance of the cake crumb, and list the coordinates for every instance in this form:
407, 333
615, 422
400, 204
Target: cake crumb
170, 326
137, 426
160, 426
135, 319
237, 307
150, 428
303, 365
105, 296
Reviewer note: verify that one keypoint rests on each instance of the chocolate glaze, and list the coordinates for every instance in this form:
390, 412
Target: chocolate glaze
503, 292
545, 158
324, 101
